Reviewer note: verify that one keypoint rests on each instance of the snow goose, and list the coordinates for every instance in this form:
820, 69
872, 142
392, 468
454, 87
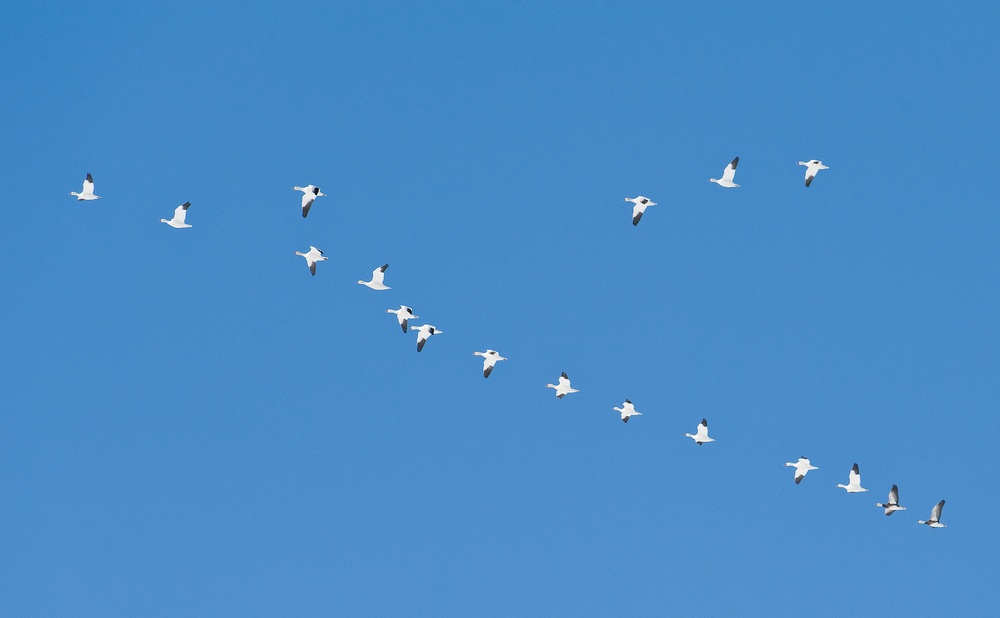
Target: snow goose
627, 410
935, 520
854, 482
641, 203
490, 358
563, 388
180, 213
727, 175
403, 314
87, 193
309, 195
802, 467
378, 276
312, 256
892, 504
812, 168
424, 333
702, 435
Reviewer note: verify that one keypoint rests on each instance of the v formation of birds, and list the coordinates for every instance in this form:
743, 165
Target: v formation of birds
491, 357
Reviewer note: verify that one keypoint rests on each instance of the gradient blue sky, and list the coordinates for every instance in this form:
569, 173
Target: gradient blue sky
192, 425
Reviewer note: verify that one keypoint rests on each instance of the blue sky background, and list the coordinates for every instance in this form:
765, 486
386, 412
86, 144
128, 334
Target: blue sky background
192, 425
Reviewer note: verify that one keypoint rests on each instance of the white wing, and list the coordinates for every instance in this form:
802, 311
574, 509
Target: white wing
88, 184
936, 511
730, 170
180, 213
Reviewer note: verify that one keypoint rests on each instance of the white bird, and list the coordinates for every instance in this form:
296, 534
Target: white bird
309, 195
727, 175
802, 467
87, 193
812, 168
563, 388
702, 435
490, 358
403, 314
935, 520
627, 410
180, 213
892, 504
424, 333
312, 256
641, 203
378, 276
854, 483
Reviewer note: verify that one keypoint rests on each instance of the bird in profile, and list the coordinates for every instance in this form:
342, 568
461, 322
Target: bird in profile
312, 256
935, 520
727, 175
309, 195
378, 276
627, 410
180, 213
854, 481
424, 333
802, 467
892, 504
702, 436
641, 203
563, 388
490, 358
404, 314
812, 168
87, 193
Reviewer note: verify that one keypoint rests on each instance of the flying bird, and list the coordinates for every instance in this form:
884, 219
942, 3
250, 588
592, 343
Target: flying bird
702, 435
87, 193
378, 276
812, 168
424, 333
802, 467
892, 504
490, 358
727, 175
309, 195
403, 314
641, 202
312, 256
854, 483
627, 410
935, 520
563, 388
180, 213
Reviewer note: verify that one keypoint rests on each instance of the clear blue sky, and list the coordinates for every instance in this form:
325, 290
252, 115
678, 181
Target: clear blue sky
192, 425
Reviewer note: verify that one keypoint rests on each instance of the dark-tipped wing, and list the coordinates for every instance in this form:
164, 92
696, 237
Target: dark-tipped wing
487, 371
809, 179
312, 268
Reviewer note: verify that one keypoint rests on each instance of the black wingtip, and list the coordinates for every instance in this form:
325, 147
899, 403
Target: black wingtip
383, 267
625, 419
185, 205
798, 479
704, 422
564, 375
89, 177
